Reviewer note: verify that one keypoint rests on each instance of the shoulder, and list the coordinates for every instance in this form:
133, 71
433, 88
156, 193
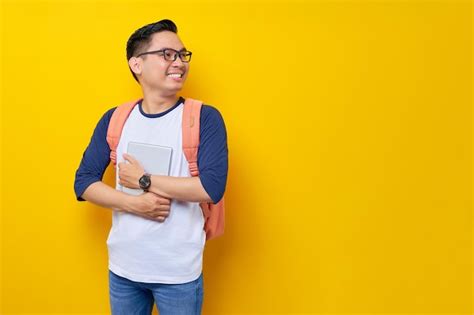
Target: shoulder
210, 114
211, 123
108, 114
122, 108
105, 119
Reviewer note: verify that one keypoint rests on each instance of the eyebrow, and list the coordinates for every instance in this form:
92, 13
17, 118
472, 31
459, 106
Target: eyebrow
182, 49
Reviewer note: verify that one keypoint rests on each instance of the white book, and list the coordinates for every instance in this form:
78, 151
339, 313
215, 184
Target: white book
155, 159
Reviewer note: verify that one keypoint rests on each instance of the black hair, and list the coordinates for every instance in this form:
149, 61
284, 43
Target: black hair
141, 38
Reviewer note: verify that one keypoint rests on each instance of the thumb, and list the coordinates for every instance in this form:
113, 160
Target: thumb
128, 158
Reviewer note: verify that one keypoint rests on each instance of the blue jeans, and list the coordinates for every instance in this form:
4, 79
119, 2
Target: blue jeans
136, 298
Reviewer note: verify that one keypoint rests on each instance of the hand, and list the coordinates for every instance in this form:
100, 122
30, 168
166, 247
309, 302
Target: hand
151, 206
130, 173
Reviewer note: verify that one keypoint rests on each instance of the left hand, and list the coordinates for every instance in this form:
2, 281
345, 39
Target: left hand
130, 173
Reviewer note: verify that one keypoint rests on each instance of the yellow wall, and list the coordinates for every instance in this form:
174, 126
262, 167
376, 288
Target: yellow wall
349, 129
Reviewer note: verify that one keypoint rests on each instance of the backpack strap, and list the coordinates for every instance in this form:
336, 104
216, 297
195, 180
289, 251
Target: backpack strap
214, 214
190, 127
117, 121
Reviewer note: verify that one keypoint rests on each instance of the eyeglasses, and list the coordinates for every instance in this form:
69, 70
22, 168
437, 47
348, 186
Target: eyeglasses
170, 54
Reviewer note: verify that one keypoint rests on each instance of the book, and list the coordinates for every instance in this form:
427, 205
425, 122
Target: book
155, 159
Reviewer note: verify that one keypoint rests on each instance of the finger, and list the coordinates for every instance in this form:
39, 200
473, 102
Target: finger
164, 207
129, 158
163, 201
126, 157
162, 214
159, 199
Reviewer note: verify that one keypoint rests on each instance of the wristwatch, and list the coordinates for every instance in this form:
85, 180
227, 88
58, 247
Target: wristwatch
145, 181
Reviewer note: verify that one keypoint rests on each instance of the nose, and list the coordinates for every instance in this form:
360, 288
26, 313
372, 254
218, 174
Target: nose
178, 65
177, 62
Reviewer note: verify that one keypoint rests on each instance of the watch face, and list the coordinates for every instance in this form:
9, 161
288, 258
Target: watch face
144, 182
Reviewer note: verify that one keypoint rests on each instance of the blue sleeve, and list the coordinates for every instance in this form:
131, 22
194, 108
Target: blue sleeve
95, 159
212, 153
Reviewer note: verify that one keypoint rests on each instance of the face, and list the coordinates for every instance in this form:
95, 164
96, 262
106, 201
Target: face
156, 73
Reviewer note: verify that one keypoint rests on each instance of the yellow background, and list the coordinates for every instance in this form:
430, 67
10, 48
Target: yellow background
349, 130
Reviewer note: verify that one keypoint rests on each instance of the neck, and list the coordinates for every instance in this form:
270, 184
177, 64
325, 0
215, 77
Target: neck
155, 103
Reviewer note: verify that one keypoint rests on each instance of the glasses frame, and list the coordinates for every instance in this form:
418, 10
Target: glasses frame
162, 53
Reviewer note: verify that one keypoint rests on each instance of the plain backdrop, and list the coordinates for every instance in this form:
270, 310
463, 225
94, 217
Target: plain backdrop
350, 135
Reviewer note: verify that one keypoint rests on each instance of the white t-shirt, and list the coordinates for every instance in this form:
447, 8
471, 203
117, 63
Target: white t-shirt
149, 251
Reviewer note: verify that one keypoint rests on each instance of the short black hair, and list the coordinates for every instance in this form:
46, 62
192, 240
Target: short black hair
140, 39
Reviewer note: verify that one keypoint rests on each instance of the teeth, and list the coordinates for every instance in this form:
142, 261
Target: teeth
175, 75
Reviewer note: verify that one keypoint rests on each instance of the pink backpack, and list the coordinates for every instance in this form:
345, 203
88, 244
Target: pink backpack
214, 214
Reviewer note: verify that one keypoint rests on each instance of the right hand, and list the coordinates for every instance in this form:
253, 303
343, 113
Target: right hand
151, 206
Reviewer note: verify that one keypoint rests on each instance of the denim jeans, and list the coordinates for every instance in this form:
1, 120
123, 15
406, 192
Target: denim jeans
136, 298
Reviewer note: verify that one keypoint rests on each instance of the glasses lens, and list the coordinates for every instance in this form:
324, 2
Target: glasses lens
185, 56
169, 54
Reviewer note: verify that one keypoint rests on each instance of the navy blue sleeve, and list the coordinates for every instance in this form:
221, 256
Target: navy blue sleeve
212, 153
96, 157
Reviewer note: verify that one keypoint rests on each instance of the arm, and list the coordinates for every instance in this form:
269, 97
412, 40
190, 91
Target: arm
148, 205
88, 183
105, 196
180, 188
95, 159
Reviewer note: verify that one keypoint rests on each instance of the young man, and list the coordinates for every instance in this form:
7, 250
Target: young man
157, 239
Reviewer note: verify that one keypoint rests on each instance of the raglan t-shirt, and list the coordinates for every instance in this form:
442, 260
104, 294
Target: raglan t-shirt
149, 251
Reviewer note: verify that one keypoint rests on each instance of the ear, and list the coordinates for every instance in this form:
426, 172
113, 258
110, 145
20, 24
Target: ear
136, 65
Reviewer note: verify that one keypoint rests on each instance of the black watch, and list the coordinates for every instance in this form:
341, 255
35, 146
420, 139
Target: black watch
145, 181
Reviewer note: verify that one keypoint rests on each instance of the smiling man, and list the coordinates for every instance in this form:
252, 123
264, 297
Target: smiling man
157, 239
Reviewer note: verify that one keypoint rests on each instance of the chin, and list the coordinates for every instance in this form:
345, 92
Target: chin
176, 87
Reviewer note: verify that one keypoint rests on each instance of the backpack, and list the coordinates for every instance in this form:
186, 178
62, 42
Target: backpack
214, 214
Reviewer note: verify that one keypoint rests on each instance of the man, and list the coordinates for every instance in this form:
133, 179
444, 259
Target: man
157, 239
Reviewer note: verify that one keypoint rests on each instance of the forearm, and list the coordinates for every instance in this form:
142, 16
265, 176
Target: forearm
180, 188
105, 196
